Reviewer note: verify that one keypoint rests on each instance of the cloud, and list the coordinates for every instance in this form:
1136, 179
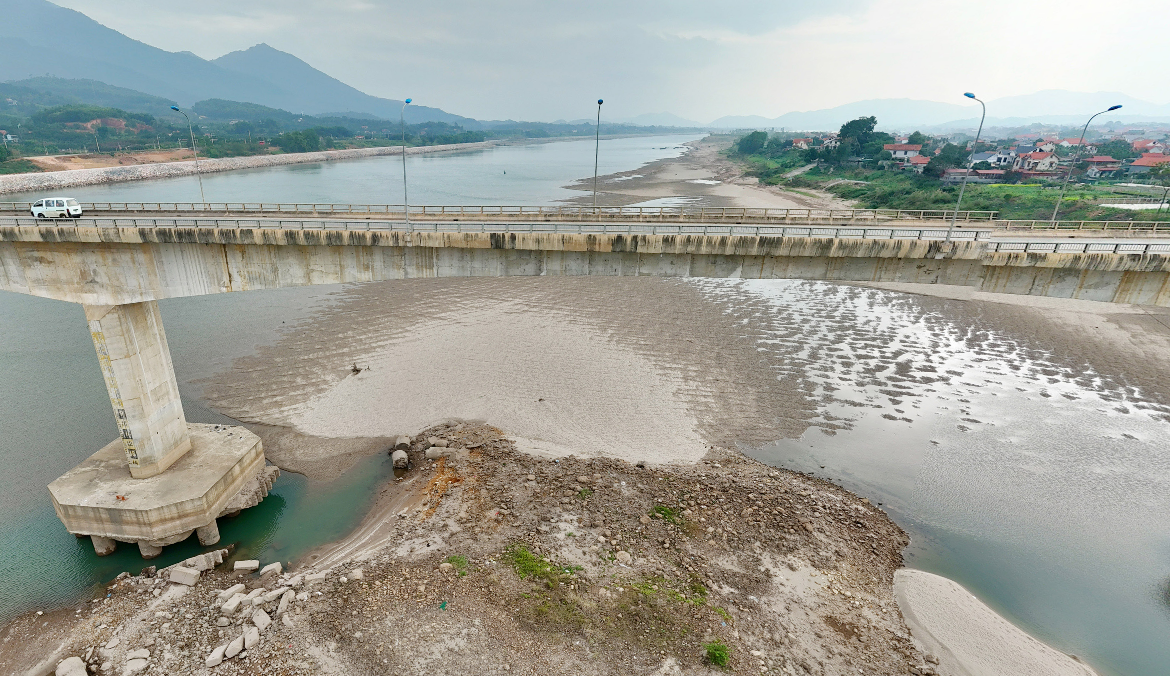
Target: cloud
531, 59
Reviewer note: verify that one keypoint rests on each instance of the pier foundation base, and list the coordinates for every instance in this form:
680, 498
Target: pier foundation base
223, 472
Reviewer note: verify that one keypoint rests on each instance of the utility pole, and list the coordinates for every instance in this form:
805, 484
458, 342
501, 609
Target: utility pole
596, 154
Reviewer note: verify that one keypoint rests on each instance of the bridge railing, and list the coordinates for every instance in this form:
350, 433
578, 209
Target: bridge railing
1128, 226
558, 212
516, 227
1136, 248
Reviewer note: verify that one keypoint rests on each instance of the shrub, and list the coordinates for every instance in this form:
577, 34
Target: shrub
718, 653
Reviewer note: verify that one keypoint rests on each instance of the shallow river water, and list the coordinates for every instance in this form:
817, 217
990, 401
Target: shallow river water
1041, 489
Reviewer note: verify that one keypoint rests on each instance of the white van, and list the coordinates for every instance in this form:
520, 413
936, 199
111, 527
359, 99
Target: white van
56, 207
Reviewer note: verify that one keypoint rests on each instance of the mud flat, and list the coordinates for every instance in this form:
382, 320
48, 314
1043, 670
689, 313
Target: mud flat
701, 177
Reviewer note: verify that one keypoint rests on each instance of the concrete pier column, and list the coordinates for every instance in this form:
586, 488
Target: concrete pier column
209, 534
136, 362
147, 550
103, 546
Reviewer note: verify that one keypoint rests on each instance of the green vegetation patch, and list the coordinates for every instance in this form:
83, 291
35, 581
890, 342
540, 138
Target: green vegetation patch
532, 566
585, 493
718, 653
460, 563
668, 514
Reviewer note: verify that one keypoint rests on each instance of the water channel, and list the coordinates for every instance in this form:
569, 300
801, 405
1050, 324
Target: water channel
1038, 487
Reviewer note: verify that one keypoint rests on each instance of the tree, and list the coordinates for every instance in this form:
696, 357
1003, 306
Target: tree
1117, 149
5, 154
752, 143
918, 139
860, 129
950, 157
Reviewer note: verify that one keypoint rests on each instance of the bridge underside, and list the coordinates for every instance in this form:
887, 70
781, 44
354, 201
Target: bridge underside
119, 274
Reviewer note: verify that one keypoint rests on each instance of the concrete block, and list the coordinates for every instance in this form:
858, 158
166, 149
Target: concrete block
261, 620
235, 647
231, 591
250, 566
275, 594
315, 577
134, 666
297, 581
184, 575
285, 600
251, 637
233, 604
357, 574
399, 458
402, 443
274, 568
436, 452
286, 619
140, 654
148, 551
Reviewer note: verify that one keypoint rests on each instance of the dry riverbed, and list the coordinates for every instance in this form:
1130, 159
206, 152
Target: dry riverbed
486, 560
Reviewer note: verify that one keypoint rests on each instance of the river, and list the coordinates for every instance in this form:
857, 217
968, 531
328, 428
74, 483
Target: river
1039, 488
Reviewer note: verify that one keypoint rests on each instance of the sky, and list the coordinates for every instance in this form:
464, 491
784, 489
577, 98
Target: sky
547, 60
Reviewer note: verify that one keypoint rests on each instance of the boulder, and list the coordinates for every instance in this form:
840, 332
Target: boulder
357, 574
261, 620
272, 568
284, 601
216, 656
400, 459
231, 591
251, 637
184, 575
235, 647
71, 666
134, 666
247, 566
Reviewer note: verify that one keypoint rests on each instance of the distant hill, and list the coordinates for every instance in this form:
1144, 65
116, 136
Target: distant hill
81, 48
28, 96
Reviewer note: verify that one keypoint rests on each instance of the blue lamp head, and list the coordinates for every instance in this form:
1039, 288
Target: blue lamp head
409, 100
969, 95
175, 108
599, 102
1113, 107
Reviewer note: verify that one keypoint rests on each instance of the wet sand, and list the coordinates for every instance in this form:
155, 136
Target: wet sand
701, 177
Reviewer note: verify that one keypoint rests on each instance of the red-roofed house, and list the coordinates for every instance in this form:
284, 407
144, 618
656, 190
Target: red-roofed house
1035, 161
902, 151
1147, 162
916, 163
1102, 166
802, 143
1149, 146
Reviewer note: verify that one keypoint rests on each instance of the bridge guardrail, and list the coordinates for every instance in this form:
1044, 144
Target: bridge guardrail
1128, 226
521, 227
1134, 248
562, 212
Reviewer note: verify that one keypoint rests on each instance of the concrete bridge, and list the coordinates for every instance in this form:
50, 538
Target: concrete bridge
164, 478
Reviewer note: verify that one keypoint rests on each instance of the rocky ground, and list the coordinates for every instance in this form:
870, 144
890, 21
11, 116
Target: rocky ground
492, 561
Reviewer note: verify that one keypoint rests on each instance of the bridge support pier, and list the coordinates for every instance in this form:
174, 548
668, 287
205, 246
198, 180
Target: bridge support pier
140, 379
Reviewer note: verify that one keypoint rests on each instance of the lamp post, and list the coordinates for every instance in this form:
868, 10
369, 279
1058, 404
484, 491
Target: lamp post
405, 200
1076, 156
970, 162
191, 130
596, 153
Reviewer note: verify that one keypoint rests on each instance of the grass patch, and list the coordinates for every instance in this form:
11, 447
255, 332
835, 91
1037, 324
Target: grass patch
19, 167
531, 566
585, 493
722, 613
460, 563
717, 653
668, 514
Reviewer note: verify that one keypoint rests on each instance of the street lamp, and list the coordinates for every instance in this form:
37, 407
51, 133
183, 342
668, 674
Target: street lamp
970, 162
405, 201
1076, 156
191, 130
596, 153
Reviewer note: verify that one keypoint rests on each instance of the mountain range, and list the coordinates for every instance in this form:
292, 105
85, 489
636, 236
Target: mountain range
78, 47
114, 67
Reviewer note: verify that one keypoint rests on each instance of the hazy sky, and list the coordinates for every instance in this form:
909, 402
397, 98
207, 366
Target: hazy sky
541, 59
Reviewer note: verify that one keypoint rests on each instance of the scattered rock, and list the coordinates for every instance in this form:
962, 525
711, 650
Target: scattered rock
261, 620
140, 654
624, 557
231, 591
315, 577
134, 666
287, 620
357, 574
216, 656
222, 621
271, 569
247, 566
184, 575
113, 643
71, 666
446, 567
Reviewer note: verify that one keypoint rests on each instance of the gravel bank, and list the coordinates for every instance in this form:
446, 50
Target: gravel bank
55, 180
